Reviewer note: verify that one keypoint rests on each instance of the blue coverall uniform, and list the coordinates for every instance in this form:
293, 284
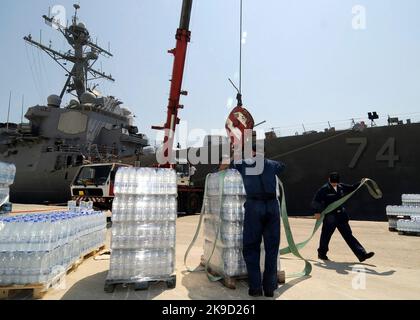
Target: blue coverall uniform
262, 220
337, 219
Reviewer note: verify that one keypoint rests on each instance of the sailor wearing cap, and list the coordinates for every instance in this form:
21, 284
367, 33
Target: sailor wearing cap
327, 194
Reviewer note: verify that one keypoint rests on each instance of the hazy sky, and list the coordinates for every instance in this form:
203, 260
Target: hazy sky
303, 60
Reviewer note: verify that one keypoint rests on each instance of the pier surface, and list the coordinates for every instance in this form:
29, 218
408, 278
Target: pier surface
393, 273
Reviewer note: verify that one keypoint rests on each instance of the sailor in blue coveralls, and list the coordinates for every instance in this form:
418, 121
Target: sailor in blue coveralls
329, 193
262, 221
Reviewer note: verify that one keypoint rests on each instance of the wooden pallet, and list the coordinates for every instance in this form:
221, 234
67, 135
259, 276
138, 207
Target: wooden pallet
409, 233
138, 284
40, 289
230, 282
77, 263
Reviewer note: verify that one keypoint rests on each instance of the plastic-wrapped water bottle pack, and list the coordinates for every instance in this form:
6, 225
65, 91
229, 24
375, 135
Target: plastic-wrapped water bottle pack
412, 225
226, 261
144, 215
34, 248
403, 210
7, 176
224, 214
223, 223
398, 215
141, 264
411, 200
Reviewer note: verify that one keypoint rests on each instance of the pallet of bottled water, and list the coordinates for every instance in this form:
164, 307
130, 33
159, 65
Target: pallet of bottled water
410, 208
411, 200
409, 226
144, 215
7, 177
36, 248
223, 226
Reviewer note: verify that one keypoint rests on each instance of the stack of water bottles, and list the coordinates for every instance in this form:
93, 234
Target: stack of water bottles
223, 223
405, 217
35, 248
144, 215
7, 176
412, 225
411, 200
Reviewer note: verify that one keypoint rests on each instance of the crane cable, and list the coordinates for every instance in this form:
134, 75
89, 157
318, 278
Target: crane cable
240, 45
239, 90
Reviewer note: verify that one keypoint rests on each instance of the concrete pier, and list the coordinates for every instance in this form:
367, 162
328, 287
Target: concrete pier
393, 273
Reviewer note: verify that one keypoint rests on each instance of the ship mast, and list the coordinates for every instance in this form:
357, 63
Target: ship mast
83, 56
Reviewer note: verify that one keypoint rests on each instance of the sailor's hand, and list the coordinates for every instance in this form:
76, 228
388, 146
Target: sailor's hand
317, 216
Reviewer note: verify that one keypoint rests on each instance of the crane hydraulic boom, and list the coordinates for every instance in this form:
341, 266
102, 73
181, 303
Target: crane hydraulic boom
183, 37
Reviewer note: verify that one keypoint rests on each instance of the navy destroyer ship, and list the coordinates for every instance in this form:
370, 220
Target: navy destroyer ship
58, 139
388, 154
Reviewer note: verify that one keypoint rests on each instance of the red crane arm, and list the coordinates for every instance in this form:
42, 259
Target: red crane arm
183, 37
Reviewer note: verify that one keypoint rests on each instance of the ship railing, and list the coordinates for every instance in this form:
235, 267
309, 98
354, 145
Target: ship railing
98, 109
340, 125
89, 151
102, 151
62, 148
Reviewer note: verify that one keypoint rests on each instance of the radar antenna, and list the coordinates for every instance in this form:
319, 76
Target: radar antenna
83, 56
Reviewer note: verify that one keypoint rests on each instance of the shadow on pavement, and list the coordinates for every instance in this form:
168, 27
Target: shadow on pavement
93, 288
352, 267
201, 288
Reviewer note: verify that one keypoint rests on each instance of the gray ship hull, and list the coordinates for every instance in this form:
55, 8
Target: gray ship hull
51, 188
39, 176
390, 155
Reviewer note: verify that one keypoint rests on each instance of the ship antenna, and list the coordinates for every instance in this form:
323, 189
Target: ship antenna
8, 111
82, 70
21, 115
76, 7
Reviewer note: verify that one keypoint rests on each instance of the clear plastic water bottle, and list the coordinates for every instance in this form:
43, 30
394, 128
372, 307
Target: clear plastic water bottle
123, 208
130, 211
125, 177
147, 181
117, 182
144, 208
153, 182
152, 213
132, 182
140, 181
